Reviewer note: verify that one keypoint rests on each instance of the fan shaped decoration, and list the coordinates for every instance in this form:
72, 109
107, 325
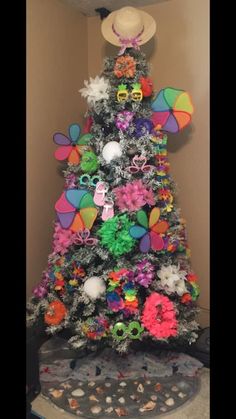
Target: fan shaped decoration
71, 147
149, 231
76, 210
172, 110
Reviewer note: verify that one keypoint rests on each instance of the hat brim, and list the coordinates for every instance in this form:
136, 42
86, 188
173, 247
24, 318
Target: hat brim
149, 29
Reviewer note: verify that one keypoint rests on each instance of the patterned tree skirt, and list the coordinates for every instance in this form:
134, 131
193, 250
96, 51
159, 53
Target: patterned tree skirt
106, 385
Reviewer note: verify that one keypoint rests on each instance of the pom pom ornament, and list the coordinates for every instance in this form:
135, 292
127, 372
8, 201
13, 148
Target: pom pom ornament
146, 86
122, 93
89, 162
95, 90
111, 151
94, 287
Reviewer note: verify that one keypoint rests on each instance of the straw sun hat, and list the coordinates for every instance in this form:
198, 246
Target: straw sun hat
128, 27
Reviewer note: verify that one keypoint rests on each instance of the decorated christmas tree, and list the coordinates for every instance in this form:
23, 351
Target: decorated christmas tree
120, 270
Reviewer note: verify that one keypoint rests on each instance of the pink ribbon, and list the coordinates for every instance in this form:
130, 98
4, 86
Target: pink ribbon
126, 41
139, 165
83, 237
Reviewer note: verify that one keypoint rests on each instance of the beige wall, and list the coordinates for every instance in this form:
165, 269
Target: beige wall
179, 56
57, 61
56, 67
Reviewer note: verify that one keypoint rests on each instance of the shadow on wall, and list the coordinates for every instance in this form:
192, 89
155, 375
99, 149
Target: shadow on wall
179, 140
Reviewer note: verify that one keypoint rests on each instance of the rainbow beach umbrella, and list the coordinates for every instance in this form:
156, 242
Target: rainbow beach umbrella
172, 110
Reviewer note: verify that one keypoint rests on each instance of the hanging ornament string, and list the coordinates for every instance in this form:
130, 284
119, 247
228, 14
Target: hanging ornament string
126, 41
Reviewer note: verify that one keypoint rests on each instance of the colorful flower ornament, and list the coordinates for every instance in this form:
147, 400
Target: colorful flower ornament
95, 328
72, 147
75, 209
143, 126
149, 231
172, 110
115, 235
133, 196
159, 316
55, 313
121, 293
125, 66
123, 120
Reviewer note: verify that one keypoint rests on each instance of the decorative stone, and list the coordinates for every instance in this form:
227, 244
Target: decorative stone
123, 384
140, 388
120, 411
107, 384
148, 382
91, 384
99, 390
73, 404
158, 387
78, 412
135, 382
182, 395
167, 395
108, 399
65, 385
93, 398
147, 407
78, 392
135, 397
109, 409
121, 400
57, 393
120, 390
163, 409
80, 384
96, 409
170, 402
174, 388
153, 397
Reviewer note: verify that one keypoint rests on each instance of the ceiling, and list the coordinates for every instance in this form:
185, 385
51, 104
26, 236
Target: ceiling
87, 7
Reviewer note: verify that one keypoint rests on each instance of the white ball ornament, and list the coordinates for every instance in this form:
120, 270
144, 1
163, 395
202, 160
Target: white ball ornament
94, 287
111, 151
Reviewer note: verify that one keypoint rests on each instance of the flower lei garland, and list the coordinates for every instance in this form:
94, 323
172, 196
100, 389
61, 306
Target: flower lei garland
125, 66
55, 313
120, 282
95, 328
159, 316
133, 196
115, 235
